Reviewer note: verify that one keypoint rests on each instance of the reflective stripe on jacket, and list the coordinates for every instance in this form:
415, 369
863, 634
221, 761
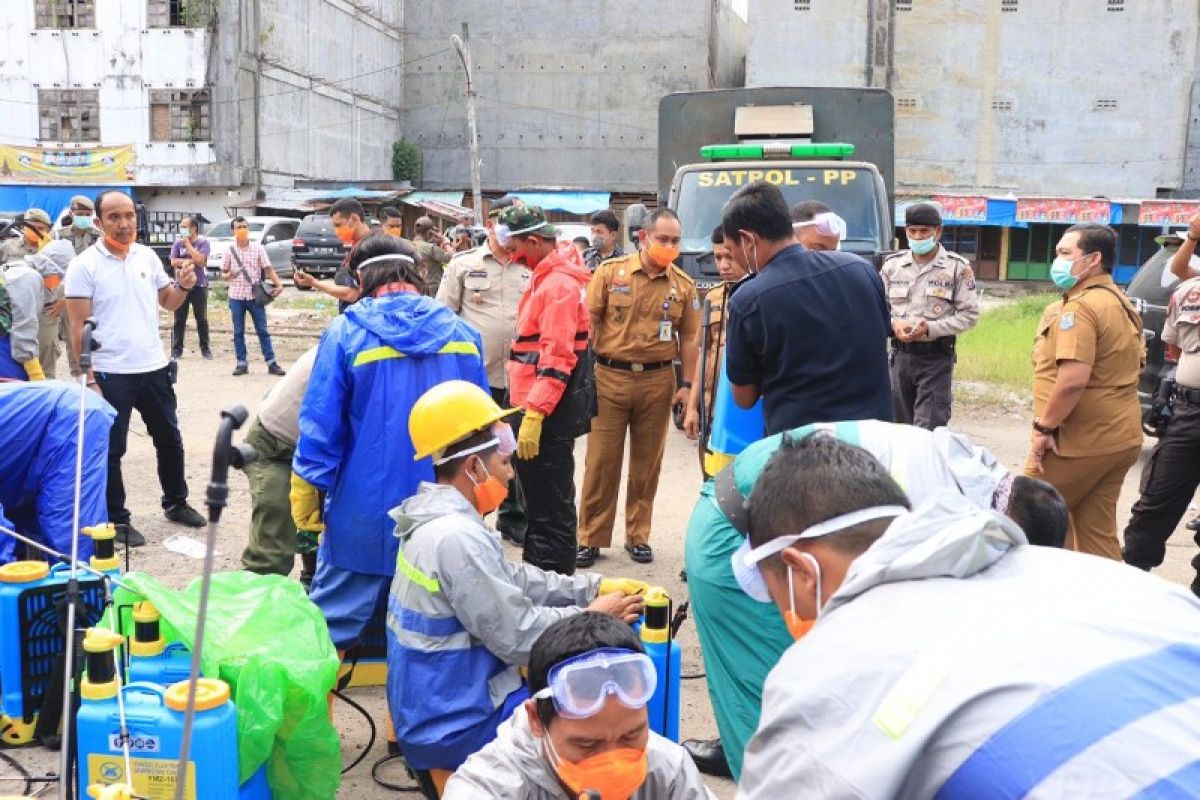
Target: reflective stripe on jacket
461, 620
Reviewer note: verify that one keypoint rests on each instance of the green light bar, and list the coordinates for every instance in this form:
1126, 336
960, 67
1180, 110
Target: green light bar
730, 152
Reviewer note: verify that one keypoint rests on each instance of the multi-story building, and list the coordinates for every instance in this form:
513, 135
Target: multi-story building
198, 103
1023, 116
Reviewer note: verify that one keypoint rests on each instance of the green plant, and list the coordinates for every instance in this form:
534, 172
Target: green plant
199, 13
406, 161
999, 350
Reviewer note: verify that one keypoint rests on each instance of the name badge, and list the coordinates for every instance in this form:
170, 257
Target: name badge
664, 330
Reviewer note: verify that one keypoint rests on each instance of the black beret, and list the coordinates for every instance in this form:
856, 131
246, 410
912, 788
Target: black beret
922, 214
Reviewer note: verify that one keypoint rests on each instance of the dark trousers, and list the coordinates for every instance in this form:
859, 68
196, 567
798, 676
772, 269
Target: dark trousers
153, 396
197, 300
549, 483
258, 314
921, 390
1168, 483
510, 519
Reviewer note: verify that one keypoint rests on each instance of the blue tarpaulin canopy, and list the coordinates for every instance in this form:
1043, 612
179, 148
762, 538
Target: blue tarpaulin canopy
54, 200
417, 198
570, 202
349, 191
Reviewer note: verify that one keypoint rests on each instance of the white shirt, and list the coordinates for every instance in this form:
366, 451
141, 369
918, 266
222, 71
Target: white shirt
124, 297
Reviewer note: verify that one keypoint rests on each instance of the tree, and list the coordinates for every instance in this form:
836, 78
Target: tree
406, 161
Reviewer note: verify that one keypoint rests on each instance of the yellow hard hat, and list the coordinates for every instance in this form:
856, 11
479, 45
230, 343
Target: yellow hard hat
449, 412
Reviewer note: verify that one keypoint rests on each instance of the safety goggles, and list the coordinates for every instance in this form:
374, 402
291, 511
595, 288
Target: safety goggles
580, 686
827, 223
505, 442
746, 560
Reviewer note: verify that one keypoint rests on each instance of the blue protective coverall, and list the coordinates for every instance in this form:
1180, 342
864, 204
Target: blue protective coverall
373, 362
37, 463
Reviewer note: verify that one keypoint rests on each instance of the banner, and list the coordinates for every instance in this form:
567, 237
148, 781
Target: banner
71, 165
1167, 212
962, 208
1063, 210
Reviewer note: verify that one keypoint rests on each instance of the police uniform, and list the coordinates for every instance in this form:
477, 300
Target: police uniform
1102, 436
1172, 475
635, 344
485, 292
941, 293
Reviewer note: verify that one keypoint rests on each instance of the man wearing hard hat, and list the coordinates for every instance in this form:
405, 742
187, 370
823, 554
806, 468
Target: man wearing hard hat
462, 618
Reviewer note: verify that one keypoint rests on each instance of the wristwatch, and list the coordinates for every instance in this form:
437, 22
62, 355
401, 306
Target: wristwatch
1044, 430
685, 385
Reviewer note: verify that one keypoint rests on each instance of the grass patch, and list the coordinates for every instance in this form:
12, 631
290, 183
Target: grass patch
998, 351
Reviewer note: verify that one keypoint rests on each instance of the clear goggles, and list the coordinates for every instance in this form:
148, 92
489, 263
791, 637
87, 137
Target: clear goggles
580, 686
505, 442
827, 223
745, 559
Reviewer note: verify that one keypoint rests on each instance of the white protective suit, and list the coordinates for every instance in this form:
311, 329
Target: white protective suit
515, 765
956, 661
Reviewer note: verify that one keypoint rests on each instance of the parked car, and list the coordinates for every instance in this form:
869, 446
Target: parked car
273, 233
316, 249
1150, 290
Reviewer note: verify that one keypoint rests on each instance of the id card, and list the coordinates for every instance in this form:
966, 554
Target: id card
664, 330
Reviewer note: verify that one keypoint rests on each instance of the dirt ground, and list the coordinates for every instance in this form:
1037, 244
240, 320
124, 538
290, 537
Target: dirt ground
205, 387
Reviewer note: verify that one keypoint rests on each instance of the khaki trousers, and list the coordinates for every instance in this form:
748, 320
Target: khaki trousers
1090, 485
640, 403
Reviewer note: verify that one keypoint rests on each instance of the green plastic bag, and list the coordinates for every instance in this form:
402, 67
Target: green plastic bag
271, 645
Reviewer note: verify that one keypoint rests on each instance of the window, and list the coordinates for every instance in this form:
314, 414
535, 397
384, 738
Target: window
962, 239
179, 116
69, 115
1010, 5
904, 5
802, 5
1116, 5
166, 14
907, 101
1002, 105
1106, 104
65, 14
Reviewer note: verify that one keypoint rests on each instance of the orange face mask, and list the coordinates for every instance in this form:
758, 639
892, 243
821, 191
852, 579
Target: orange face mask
242, 235
115, 247
615, 774
344, 233
662, 255
489, 494
797, 626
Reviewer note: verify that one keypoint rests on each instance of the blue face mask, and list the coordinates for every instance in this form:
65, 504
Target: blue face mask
82, 223
1060, 273
922, 247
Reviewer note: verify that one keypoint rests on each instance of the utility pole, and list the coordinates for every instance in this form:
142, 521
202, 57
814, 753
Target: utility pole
462, 47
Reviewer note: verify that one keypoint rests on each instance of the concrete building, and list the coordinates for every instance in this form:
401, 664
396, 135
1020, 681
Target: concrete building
203, 101
1053, 97
567, 90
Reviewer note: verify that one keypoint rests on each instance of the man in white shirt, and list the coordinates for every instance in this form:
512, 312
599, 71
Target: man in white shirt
121, 284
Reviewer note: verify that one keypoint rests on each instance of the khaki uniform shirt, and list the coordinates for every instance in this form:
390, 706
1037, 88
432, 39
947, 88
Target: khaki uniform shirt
1096, 324
710, 338
941, 292
485, 293
431, 259
80, 240
632, 306
1182, 329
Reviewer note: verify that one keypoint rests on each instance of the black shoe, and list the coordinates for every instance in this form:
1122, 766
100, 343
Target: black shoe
586, 556
241, 369
275, 369
184, 514
516, 538
709, 756
129, 535
207, 354
641, 553
176, 356
1194, 525
683, 575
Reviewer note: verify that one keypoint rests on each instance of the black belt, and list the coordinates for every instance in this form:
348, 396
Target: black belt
943, 345
1190, 396
632, 367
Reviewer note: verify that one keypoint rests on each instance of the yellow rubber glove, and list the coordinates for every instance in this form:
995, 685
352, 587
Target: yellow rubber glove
623, 585
306, 505
530, 438
33, 368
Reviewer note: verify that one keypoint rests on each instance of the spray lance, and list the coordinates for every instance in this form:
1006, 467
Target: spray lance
225, 454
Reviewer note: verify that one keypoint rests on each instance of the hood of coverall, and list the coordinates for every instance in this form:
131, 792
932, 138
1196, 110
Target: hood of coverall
431, 501
565, 260
411, 323
947, 536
